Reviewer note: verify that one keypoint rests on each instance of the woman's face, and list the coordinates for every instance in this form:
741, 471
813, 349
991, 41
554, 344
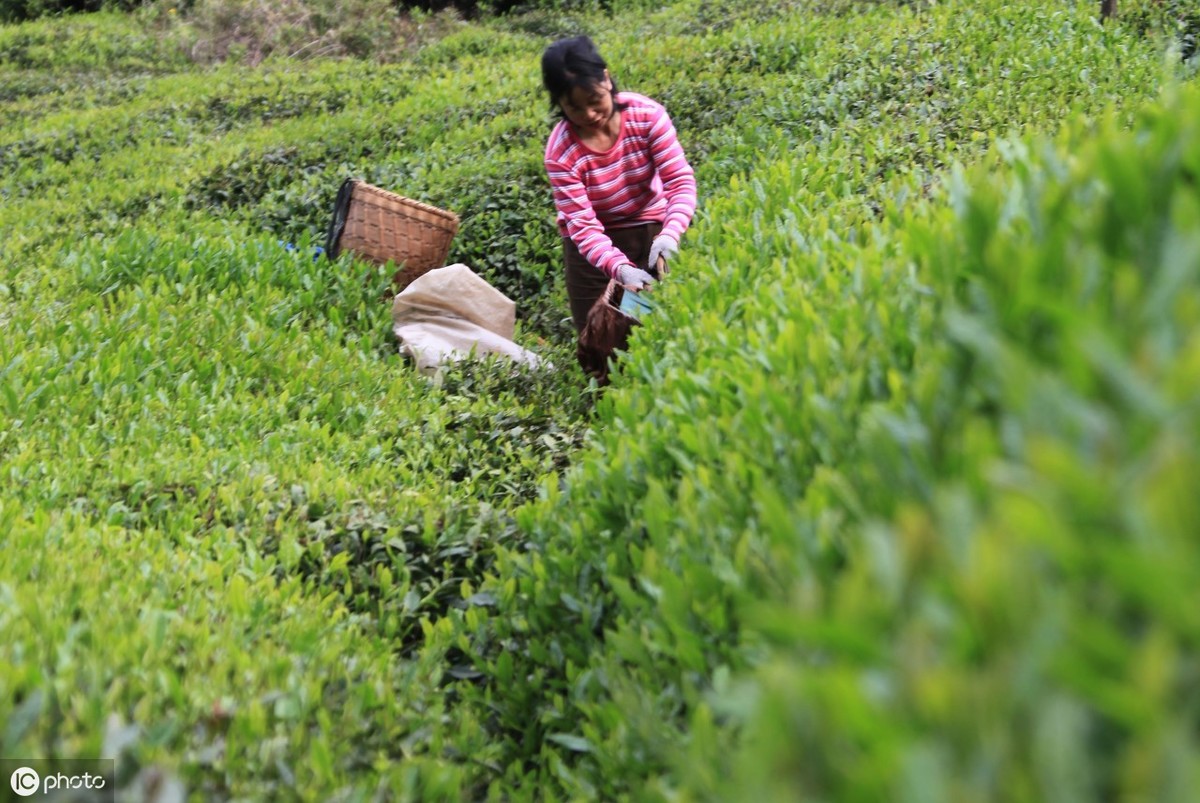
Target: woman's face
590, 107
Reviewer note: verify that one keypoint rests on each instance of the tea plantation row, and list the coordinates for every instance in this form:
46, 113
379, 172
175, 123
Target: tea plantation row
891, 499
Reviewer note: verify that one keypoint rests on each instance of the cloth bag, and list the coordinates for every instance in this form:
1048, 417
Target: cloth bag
450, 313
605, 332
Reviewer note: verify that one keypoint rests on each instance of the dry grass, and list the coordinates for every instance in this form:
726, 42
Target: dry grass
249, 31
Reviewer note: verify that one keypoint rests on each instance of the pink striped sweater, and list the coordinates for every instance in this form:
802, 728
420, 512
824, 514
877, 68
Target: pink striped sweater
643, 177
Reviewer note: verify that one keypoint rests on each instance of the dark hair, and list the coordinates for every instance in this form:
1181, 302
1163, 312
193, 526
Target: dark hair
571, 63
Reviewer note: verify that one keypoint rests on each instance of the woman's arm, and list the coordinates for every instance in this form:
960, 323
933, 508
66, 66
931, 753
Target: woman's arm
583, 227
678, 178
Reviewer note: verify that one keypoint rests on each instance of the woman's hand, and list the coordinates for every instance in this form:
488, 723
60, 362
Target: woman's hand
634, 279
662, 250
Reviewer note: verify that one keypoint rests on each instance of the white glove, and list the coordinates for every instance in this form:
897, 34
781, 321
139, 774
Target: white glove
632, 278
665, 248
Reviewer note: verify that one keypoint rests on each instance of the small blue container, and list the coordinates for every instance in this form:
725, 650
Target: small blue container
635, 304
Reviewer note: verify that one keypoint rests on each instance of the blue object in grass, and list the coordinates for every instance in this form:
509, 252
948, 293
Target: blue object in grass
635, 304
317, 250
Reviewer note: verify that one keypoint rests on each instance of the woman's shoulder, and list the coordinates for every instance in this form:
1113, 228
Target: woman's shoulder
632, 101
560, 138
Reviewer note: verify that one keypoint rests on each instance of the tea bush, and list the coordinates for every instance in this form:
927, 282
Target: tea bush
249, 546
907, 519
1013, 512
241, 406
18, 10
1174, 20
106, 43
617, 645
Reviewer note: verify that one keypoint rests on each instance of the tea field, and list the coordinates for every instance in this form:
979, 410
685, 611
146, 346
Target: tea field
894, 496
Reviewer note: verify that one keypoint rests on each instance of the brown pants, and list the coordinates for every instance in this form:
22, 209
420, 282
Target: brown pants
586, 283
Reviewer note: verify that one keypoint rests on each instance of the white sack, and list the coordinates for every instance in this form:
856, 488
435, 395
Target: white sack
449, 313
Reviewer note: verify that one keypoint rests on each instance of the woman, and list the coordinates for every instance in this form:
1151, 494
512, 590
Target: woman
623, 189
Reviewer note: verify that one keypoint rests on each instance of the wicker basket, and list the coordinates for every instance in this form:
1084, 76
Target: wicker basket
378, 225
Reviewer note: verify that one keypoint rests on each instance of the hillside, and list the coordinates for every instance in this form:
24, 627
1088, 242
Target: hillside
891, 500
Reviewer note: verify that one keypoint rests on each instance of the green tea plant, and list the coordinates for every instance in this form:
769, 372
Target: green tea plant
906, 510
1175, 21
248, 545
1015, 515
720, 493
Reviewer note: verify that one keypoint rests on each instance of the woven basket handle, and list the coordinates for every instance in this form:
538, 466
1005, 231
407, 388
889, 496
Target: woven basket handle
338, 223
607, 295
